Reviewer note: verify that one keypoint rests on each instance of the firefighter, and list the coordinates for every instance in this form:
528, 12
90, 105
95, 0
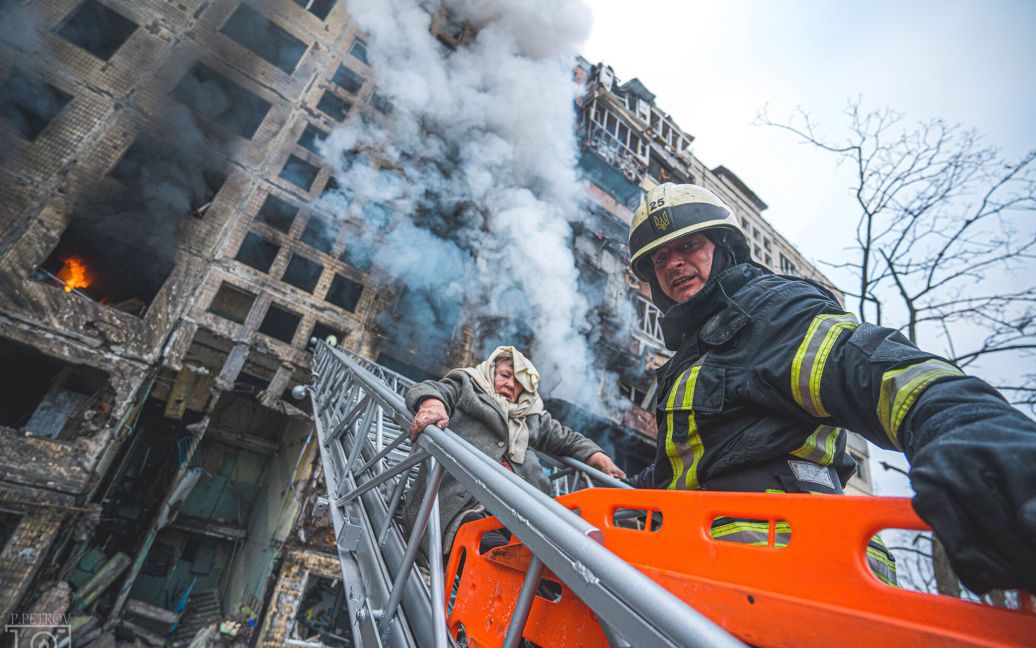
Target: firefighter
769, 371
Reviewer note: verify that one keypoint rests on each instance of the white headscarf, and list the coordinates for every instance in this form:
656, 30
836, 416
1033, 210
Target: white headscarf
529, 402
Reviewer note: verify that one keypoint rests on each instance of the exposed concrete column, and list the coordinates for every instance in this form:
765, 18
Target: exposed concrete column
23, 555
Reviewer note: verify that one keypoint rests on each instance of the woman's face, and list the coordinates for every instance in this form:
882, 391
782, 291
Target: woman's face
504, 382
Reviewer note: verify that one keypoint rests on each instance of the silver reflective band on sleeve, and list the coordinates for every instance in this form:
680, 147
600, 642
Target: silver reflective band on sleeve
820, 446
807, 367
900, 389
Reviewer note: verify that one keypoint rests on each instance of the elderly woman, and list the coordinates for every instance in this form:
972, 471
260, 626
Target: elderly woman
495, 407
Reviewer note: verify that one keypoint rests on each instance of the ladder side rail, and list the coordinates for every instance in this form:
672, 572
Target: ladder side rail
365, 561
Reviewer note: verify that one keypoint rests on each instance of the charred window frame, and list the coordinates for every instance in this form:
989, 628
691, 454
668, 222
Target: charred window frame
264, 38
280, 324
277, 213
28, 104
220, 101
328, 594
257, 252
232, 303
344, 293
48, 397
99, 257
319, 8
97, 29
320, 233
164, 161
359, 50
310, 136
322, 331
302, 273
357, 254
9, 521
348, 79
299, 172
334, 106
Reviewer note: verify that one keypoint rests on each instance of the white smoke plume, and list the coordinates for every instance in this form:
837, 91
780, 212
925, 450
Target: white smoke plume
471, 208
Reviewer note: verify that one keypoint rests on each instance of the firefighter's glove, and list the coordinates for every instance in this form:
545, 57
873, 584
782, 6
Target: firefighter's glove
976, 487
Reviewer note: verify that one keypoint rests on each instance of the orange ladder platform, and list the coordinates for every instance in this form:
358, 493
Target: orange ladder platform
815, 591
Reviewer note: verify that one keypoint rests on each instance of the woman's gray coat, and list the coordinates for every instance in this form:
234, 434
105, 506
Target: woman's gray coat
476, 417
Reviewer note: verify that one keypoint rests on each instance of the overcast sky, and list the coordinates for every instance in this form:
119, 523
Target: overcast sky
714, 65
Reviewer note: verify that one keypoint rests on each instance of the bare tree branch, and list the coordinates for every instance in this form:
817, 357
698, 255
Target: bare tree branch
943, 224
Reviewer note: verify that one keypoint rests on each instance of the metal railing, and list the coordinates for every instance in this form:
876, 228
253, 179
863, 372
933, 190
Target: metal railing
361, 422
648, 320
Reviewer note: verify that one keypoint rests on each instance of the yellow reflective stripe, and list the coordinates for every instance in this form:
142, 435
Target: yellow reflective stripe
807, 367
751, 532
796, 363
810, 445
881, 566
819, 447
675, 462
685, 455
900, 389
829, 447
694, 443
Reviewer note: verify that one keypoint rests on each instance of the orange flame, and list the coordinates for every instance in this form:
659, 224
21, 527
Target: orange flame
73, 273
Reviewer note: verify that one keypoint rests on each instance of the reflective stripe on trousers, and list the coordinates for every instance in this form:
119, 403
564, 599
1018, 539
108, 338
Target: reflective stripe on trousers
756, 533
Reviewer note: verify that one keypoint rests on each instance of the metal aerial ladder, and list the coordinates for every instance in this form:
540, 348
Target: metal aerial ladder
625, 584
361, 422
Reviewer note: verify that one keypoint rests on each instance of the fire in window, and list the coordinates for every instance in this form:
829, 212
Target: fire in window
100, 259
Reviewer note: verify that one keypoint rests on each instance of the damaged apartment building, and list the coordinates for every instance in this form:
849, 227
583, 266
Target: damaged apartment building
165, 260
163, 263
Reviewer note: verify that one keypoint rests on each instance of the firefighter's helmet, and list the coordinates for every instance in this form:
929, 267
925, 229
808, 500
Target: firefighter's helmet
673, 210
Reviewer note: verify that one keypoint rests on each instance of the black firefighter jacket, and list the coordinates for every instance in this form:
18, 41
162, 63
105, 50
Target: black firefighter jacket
768, 373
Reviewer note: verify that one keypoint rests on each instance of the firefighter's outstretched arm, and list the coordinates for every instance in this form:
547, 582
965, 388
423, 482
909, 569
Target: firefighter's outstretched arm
972, 455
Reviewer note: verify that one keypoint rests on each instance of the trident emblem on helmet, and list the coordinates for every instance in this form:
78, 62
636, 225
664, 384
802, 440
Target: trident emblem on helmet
661, 220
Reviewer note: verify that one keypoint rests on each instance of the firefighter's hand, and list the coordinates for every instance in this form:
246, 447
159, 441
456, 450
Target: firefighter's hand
431, 412
604, 463
979, 495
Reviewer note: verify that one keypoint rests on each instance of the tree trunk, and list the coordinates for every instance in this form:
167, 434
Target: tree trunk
945, 579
